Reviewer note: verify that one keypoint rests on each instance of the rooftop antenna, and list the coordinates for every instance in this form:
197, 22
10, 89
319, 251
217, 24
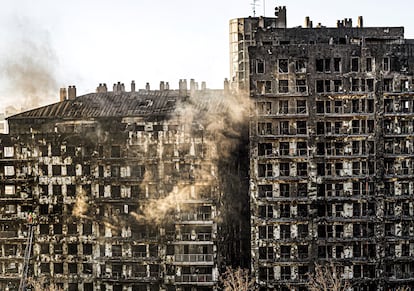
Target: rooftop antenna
254, 4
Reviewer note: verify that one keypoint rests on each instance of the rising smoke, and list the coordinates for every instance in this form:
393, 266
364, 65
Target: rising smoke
28, 67
222, 118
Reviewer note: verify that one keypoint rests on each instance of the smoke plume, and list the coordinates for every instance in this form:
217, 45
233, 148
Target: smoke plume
221, 118
28, 68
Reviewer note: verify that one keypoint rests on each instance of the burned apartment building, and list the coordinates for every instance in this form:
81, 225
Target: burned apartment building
124, 190
331, 150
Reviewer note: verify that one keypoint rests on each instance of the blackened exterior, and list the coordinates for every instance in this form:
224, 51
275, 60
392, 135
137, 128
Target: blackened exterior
331, 155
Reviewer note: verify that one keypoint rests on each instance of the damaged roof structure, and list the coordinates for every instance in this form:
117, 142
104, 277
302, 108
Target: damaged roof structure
331, 150
123, 190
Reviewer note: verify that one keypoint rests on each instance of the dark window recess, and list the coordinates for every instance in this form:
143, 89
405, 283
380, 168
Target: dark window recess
337, 64
72, 249
265, 191
320, 86
86, 170
44, 209
87, 249
73, 287
320, 107
87, 268
70, 170
44, 151
319, 65
56, 150
73, 268
45, 268
87, 189
115, 171
44, 248
301, 127
70, 190
44, 189
58, 249
57, 228
70, 151
56, 170
301, 86
260, 67
388, 85
44, 229
115, 191
115, 151
284, 190
354, 64
265, 149
283, 86
57, 190
138, 171
58, 268
265, 170
283, 66
87, 228
300, 66
368, 67
386, 64
72, 228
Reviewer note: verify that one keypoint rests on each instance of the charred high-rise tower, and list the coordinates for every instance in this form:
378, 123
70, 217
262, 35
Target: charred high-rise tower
331, 153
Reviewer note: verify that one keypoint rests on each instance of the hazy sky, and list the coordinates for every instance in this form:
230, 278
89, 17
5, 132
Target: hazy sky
47, 44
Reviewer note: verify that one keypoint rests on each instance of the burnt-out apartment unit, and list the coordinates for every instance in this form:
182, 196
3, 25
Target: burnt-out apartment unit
123, 191
331, 151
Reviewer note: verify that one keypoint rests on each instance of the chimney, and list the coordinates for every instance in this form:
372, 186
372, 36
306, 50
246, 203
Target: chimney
348, 22
147, 86
71, 92
226, 86
203, 86
182, 87
114, 87
122, 87
63, 95
133, 86
162, 87
101, 88
360, 22
192, 87
167, 86
307, 22
280, 13
192, 84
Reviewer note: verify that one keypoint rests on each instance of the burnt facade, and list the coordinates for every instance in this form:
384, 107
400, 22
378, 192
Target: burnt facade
122, 189
331, 154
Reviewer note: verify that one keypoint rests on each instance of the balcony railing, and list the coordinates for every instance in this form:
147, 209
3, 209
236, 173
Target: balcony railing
8, 233
194, 278
139, 254
198, 236
193, 258
195, 216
